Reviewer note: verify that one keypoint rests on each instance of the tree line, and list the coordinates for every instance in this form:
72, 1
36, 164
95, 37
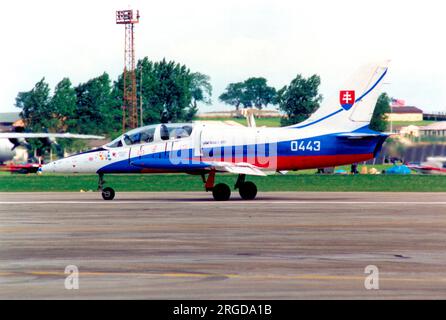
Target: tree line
169, 92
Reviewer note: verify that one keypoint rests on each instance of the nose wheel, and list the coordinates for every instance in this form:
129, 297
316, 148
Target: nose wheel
107, 193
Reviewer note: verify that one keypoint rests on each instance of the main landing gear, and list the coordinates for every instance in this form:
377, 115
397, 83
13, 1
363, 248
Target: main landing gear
246, 189
107, 193
222, 192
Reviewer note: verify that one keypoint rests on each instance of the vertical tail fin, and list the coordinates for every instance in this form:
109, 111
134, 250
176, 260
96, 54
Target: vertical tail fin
339, 112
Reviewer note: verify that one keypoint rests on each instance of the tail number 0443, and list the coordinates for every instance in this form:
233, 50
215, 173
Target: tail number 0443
306, 145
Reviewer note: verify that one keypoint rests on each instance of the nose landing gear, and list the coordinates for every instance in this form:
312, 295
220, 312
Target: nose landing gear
107, 193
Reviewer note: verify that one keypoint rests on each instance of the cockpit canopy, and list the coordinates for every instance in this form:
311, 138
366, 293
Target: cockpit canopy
153, 133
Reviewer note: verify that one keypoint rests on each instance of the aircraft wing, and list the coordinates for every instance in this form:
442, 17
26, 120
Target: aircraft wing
24, 135
238, 168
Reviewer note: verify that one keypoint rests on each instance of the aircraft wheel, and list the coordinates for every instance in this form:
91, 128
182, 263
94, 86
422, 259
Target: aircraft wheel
248, 190
108, 194
221, 192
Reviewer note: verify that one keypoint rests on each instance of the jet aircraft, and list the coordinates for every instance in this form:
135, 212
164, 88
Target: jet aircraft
336, 134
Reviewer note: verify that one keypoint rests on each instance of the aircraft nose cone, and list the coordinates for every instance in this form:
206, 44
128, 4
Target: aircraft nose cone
54, 167
79, 163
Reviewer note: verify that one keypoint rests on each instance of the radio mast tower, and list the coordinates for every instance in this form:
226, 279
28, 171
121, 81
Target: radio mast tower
129, 18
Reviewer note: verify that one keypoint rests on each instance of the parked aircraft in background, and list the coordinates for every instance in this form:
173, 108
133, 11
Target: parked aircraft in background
433, 165
20, 168
9, 141
336, 134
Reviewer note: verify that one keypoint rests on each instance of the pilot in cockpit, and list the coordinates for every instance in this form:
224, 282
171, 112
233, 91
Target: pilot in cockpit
179, 133
147, 136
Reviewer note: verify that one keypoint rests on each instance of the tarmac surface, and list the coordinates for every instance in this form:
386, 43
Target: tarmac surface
187, 246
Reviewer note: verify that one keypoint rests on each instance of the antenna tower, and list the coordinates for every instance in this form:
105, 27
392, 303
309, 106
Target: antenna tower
129, 107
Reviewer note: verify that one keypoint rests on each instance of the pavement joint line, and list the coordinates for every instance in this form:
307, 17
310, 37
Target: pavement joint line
229, 276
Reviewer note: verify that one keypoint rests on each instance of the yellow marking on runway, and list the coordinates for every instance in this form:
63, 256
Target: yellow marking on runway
229, 276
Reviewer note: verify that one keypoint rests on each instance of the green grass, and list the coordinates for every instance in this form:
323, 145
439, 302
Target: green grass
379, 167
177, 182
411, 123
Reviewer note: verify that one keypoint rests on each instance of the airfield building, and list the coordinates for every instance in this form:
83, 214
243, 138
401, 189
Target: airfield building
8, 120
406, 113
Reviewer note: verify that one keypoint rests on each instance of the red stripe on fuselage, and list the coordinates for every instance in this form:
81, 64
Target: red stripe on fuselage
312, 162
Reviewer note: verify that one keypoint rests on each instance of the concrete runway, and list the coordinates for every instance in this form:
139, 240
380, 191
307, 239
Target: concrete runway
186, 246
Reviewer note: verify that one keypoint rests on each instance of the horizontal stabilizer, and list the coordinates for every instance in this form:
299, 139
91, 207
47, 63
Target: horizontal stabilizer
358, 135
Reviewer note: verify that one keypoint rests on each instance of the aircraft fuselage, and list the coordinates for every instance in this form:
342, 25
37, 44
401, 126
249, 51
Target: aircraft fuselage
274, 149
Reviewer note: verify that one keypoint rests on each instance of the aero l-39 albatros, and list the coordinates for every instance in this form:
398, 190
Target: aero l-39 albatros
336, 134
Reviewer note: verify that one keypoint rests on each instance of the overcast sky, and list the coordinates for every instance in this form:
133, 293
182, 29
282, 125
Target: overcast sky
230, 41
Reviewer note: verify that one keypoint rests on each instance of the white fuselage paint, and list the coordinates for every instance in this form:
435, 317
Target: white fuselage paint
202, 139
203, 136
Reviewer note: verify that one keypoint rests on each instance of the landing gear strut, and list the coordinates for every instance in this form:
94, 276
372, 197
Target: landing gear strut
107, 193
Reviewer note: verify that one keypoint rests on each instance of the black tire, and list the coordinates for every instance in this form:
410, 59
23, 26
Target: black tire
108, 194
221, 192
248, 191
